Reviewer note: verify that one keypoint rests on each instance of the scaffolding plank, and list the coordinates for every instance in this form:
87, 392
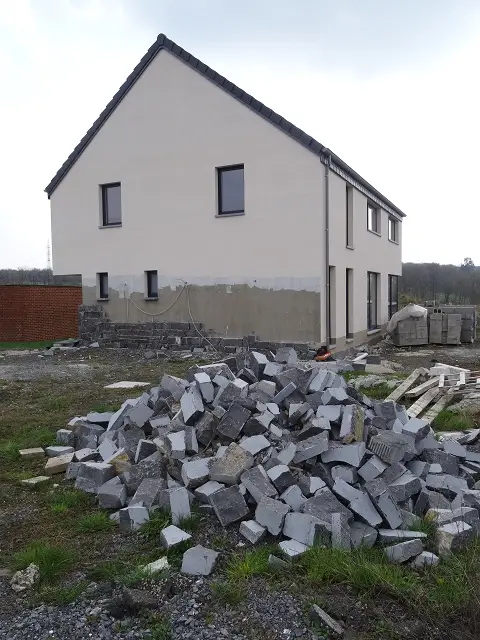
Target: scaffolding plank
435, 409
425, 386
423, 402
406, 385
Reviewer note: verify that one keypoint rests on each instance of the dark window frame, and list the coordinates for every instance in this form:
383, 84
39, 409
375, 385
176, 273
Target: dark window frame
376, 227
393, 225
392, 297
105, 188
372, 300
152, 292
348, 303
348, 216
102, 285
220, 172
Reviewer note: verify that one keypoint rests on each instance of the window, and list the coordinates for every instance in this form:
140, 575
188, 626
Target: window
102, 286
231, 190
349, 303
349, 216
111, 204
151, 279
372, 300
332, 292
373, 219
393, 230
392, 295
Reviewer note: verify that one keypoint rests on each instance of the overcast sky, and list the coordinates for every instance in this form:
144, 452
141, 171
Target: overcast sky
391, 86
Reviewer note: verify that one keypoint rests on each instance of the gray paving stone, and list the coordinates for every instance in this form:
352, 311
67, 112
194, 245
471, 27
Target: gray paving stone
404, 487
205, 491
345, 473
229, 505
284, 393
100, 417
234, 390
294, 497
387, 536
92, 475
454, 448
345, 491
417, 428
292, 549
271, 514
287, 454
332, 413
372, 468
112, 496
352, 454
362, 535
191, 404
446, 484
252, 531
364, 509
320, 381
389, 447
172, 536
335, 396
311, 447
152, 467
306, 528
179, 504
148, 492
132, 518
232, 423
453, 537
205, 386
404, 551
286, 355
448, 462
445, 516
138, 415
175, 446
199, 561
65, 437
425, 559
128, 440
85, 455
258, 484
196, 472
107, 448
340, 532
231, 465
255, 444
144, 449
55, 451
384, 502
352, 426
281, 476
176, 386
310, 484
205, 427
323, 504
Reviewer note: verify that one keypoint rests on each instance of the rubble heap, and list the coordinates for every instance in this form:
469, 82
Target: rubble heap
279, 447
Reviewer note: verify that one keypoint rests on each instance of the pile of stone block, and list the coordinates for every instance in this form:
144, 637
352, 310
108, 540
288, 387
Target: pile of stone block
282, 448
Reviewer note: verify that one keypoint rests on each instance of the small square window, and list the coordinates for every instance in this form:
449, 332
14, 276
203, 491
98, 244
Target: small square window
102, 286
373, 219
393, 230
111, 204
151, 279
231, 190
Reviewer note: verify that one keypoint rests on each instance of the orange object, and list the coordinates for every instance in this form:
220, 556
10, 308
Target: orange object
323, 357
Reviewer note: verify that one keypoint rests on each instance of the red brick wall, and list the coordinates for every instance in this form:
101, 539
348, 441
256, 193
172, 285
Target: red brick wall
29, 313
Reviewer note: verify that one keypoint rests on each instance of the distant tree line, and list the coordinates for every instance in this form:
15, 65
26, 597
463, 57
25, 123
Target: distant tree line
430, 282
37, 276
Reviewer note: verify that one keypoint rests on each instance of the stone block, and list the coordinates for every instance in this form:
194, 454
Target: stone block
275, 433
172, 536
292, 548
100, 417
204, 492
446, 484
448, 462
231, 425
345, 491
351, 454
138, 415
455, 449
191, 404
229, 505
132, 518
92, 475
120, 461
352, 426
372, 468
335, 396
258, 484
148, 492
384, 502
340, 532
128, 440
294, 497
281, 476
364, 509
389, 446
176, 386
175, 446
144, 449
362, 535
445, 516
287, 454
345, 473
85, 455
320, 381
33, 483
404, 487
286, 355
417, 428
425, 559
112, 496
256, 425
321, 617
332, 413
205, 427
72, 471
205, 386
387, 536
252, 531
118, 419
107, 448
296, 411
35, 452
179, 504
323, 504
310, 484
234, 390
284, 393
58, 464
311, 447
271, 514
65, 437
453, 537
231, 465
196, 472
306, 528
255, 444
404, 551
191, 444
56, 451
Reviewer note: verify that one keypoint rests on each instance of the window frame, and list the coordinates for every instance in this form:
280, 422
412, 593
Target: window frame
348, 303
393, 224
372, 302
102, 280
150, 292
378, 229
104, 203
219, 172
392, 302
348, 216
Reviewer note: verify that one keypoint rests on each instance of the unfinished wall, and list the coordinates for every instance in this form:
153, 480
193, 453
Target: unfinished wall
33, 313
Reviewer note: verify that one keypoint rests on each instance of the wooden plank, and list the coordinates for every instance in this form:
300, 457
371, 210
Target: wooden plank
441, 382
435, 409
406, 385
425, 386
423, 402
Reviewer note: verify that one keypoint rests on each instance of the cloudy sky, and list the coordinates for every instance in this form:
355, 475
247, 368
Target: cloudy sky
390, 86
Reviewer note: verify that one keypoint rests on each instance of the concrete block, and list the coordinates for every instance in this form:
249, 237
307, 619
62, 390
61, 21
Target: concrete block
255, 444
296, 411
352, 454
138, 415
172, 536
389, 447
144, 449
364, 509
453, 537
362, 535
65, 437
323, 504
311, 447
58, 464
372, 468
55, 451
92, 475
271, 514
454, 448
281, 476
258, 483
425, 559
231, 425
33, 483
404, 551
129, 439
345, 473
205, 386
387, 536
36, 452
286, 355
229, 505
252, 531
148, 492
292, 548
306, 528
176, 386
199, 561
85, 455
340, 532
404, 487
175, 446
112, 496
284, 393
417, 428
191, 404
179, 504
231, 465
294, 497
204, 492
132, 518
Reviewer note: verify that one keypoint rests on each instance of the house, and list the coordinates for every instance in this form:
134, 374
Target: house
188, 198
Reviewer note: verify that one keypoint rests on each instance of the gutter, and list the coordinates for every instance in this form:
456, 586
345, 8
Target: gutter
327, 160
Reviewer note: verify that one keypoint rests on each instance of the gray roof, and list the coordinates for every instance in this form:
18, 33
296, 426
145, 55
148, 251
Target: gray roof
162, 42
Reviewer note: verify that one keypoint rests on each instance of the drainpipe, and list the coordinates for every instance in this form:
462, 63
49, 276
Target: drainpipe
327, 161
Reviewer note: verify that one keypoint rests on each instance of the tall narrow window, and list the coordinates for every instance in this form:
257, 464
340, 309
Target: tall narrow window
349, 216
111, 204
392, 295
349, 303
393, 230
373, 219
332, 292
102, 286
151, 284
372, 300
231, 190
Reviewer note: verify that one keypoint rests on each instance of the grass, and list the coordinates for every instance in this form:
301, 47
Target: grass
68, 499
450, 421
152, 528
95, 523
379, 392
229, 592
160, 628
191, 523
247, 564
52, 561
58, 595
42, 344
428, 527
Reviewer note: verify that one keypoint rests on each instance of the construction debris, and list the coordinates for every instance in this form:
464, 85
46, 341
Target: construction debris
284, 448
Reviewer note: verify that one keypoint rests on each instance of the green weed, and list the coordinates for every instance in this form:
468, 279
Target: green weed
152, 528
229, 592
450, 421
51, 560
59, 595
95, 523
247, 564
